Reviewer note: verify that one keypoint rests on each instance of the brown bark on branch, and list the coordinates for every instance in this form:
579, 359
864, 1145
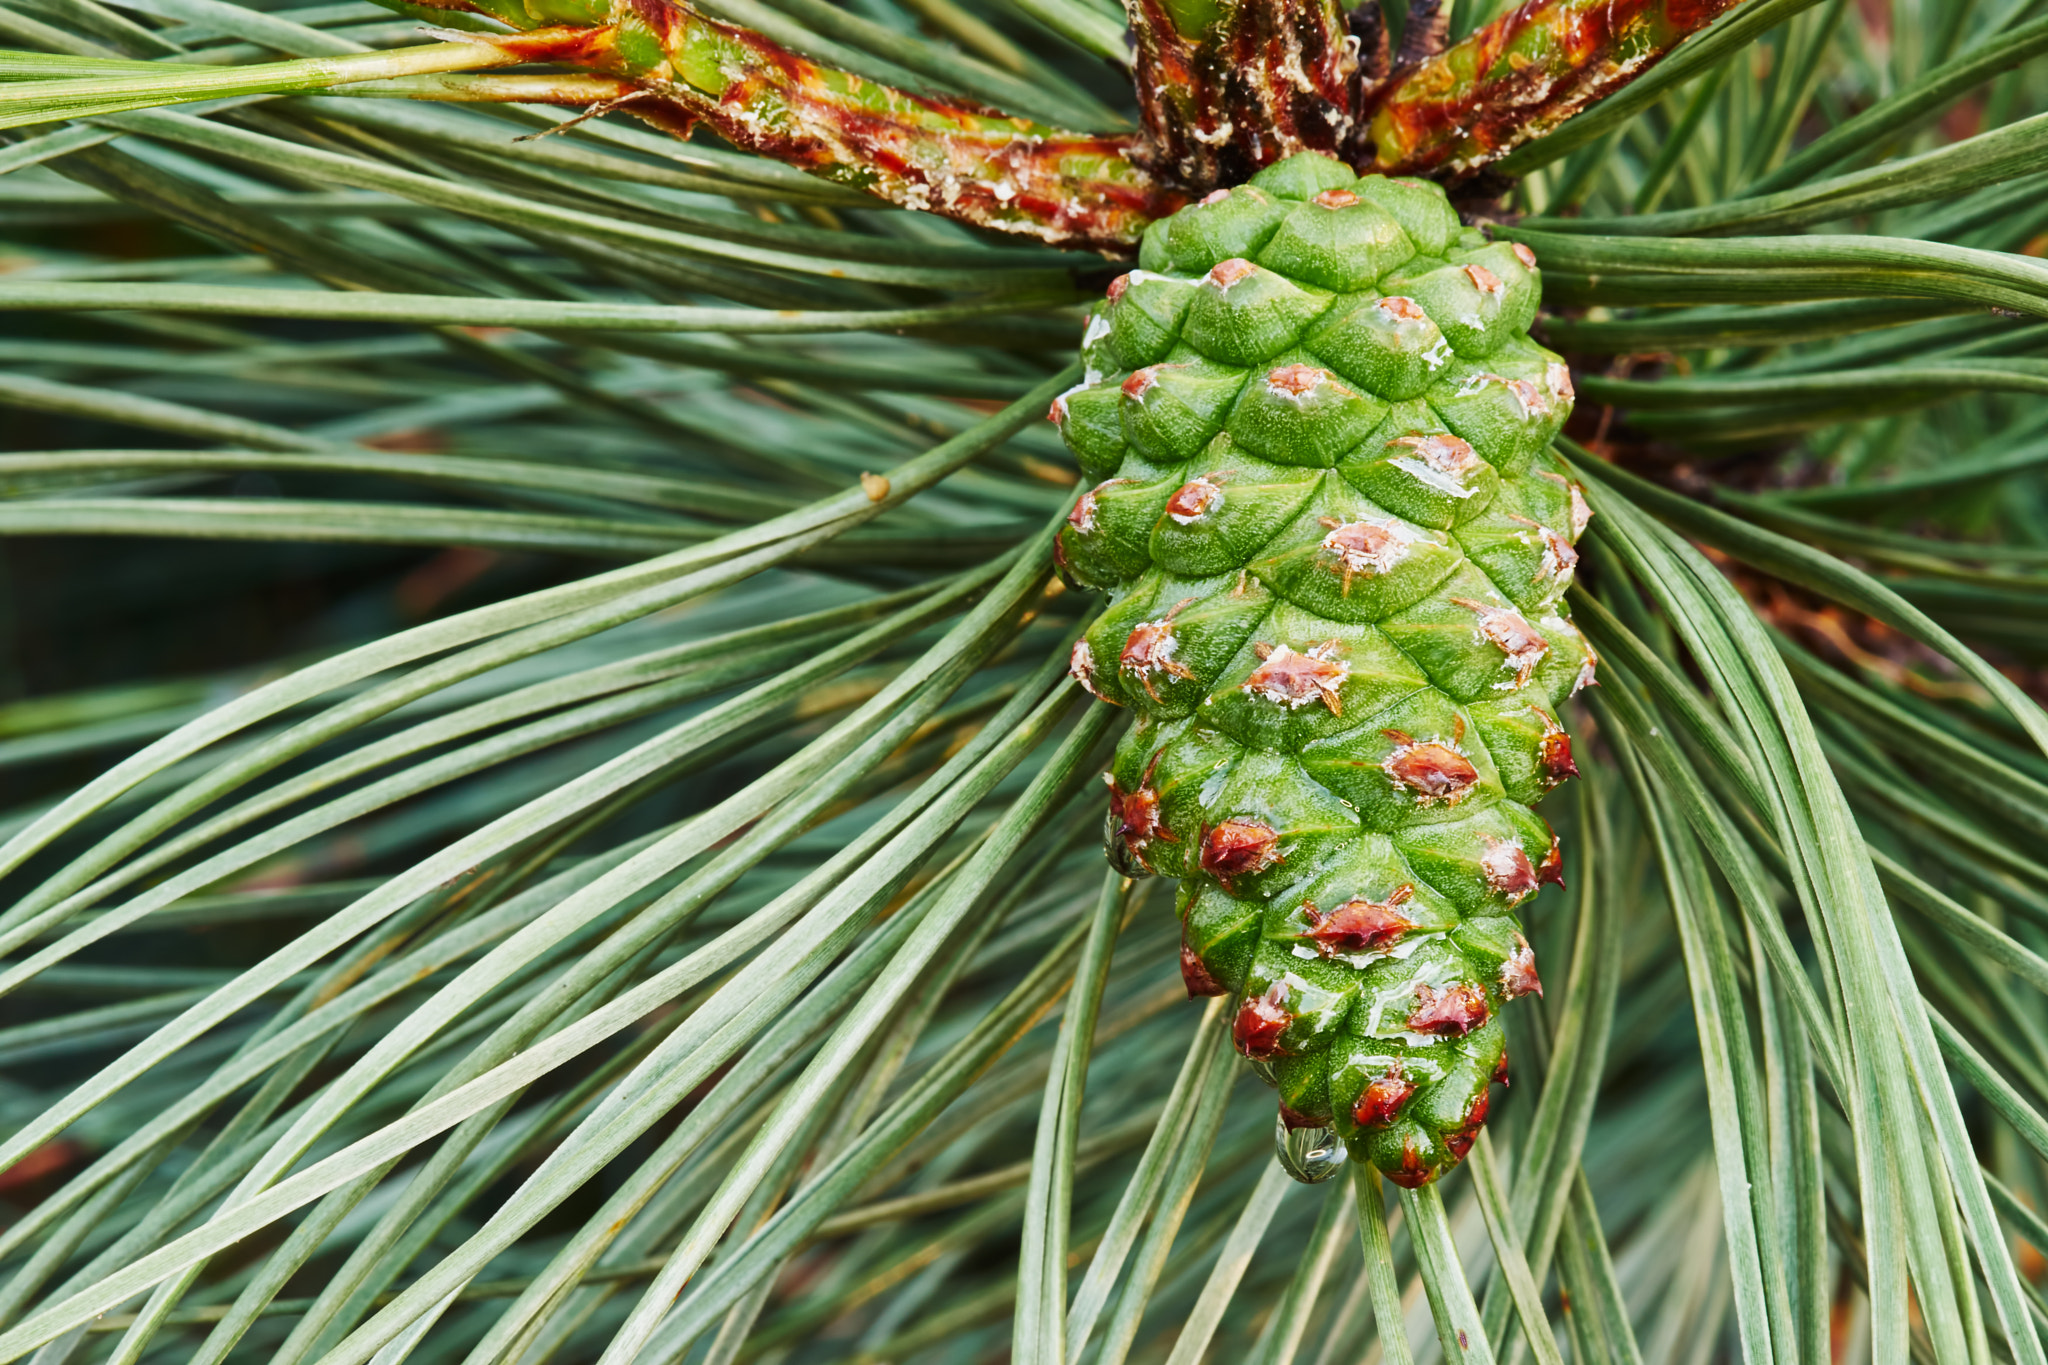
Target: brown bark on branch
943, 155
1225, 87
1519, 77
1228, 86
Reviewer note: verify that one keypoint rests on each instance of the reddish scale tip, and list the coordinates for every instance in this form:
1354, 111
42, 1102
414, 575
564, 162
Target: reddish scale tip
1433, 770
1057, 413
1414, 1172
1500, 1070
1459, 1142
1082, 517
1380, 1103
1137, 818
1559, 376
1449, 1013
1445, 454
1534, 404
1226, 273
1150, 649
1260, 1022
1141, 380
1195, 974
1335, 199
1236, 848
1505, 630
1290, 678
1118, 285
1215, 197
1551, 869
1563, 555
1525, 256
1402, 309
1364, 542
1554, 753
1080, 663
1358, 547
1589, 669
1518, 974
1359, 925
1507, 869
1297, 380
1484, 280
1193, 498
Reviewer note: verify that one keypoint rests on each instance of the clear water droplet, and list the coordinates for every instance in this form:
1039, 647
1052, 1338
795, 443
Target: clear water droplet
1310, 1155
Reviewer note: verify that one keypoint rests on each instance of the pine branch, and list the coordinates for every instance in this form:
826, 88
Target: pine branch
1521, 76
1225, 87
924, 152
1228, 86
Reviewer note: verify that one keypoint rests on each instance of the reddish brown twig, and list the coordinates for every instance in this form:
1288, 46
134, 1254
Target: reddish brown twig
1519, 77
1225, 87
1228, 86
943, 155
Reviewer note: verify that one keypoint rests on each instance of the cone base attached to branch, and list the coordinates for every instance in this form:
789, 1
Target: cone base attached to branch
1228, 88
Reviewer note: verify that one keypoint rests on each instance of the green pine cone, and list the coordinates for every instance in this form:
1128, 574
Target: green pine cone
1336, 545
